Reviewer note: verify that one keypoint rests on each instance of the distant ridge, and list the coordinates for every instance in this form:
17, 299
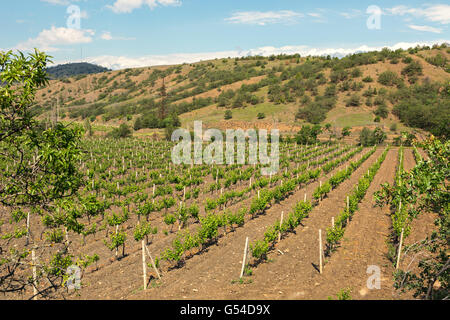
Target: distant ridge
74, 69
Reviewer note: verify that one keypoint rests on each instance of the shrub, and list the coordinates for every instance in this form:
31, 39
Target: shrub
382, 111
353, 101
393, 127
123, 131
388, 78
228, 115
370, 138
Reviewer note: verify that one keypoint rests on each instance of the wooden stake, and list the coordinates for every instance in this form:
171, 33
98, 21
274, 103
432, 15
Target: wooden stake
348, 210
281, 223
117, 249
144, 265
399, 250
244, 258
332, 222
153, 263
33, 258
320, 252
28, 228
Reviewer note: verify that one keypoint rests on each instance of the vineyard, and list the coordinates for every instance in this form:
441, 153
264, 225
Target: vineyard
190, 223
97, 217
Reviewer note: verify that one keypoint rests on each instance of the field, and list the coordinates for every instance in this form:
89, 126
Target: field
93, 205
195, 221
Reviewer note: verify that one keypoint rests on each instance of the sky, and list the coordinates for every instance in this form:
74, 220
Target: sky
134, 33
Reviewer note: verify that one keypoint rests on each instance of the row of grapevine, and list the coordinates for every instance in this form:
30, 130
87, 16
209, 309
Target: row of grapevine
336, 232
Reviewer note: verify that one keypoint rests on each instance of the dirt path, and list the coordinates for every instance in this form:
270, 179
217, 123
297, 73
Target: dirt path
211, 274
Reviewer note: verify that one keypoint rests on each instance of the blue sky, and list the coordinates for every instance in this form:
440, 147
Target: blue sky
131, 33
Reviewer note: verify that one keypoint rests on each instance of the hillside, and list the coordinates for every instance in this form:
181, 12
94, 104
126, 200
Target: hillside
74, 69
376, 89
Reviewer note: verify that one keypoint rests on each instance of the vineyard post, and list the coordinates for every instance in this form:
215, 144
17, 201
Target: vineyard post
332, 222
348, 210
33, 258
304, 200
28, 228
320, 186
117, 248
67, 235
399, 250
244, 258
153, 263
320, 252
179, 221
281, 223
144, 265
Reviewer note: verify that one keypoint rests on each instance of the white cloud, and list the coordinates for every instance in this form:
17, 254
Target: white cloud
353, 13
107, 36
122, 62
48, 38
436, 13
263, 18
127, 6
425, 28
60, 2
315, 15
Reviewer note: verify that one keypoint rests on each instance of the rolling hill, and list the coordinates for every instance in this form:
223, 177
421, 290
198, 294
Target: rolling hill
74, 69
393, 90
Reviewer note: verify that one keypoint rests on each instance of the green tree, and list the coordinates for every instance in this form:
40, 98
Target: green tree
346, 131
88, 127
123, 131
370, 138
308, 134
39, 166
228, 115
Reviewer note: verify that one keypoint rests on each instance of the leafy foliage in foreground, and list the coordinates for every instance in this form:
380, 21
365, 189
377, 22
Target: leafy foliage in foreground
425, 189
